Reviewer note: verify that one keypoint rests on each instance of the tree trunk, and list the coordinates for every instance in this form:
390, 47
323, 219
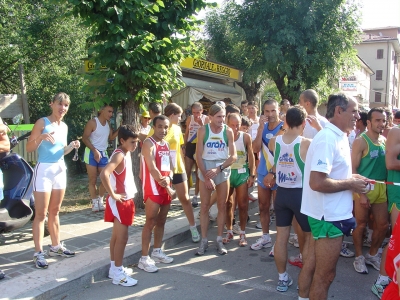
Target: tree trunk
281, 86
251, 89
130, 115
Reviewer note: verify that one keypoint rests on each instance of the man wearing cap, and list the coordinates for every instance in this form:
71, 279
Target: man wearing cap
145, 123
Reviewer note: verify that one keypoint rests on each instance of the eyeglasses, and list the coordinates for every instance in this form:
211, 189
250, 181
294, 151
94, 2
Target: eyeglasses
146, 118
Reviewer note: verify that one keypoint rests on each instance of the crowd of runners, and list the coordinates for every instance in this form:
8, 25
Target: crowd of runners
326, 177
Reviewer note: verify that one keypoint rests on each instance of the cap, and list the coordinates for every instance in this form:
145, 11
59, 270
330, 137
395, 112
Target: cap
145, 114
220, 103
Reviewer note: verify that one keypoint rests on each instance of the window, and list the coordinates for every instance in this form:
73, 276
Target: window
378, 97
379, 54
378, 75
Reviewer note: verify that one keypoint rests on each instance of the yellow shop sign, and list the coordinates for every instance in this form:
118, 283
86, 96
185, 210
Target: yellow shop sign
211, 67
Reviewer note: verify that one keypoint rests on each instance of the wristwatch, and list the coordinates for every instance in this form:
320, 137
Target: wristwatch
221, 167
274, 174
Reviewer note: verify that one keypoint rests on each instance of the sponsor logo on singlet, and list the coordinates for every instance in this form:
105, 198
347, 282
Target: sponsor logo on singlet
163, 153
286, 159
284, 177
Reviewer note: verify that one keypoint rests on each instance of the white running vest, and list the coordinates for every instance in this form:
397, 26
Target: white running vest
99, 137
215, 144
289, 165
241, 151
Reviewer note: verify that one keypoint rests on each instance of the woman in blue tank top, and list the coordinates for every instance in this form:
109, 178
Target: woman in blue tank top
49, 138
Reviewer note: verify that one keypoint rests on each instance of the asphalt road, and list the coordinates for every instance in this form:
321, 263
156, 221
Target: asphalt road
241, 274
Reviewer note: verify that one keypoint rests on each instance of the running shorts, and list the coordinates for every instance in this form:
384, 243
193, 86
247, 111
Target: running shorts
162, 200
88, 158
212, 164
190, 150
237, 179
50, 176
324, 229
179, 178
123, 211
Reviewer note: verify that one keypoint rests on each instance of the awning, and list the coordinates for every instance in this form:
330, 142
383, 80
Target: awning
196, 89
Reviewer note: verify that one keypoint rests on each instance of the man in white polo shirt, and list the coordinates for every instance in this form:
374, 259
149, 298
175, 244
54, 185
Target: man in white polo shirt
327, 197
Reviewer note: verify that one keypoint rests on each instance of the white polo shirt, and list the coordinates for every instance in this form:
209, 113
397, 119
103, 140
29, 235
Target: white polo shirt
310, 132
329, 153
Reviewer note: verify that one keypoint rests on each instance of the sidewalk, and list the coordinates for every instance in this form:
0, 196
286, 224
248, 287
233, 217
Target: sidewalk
88, 235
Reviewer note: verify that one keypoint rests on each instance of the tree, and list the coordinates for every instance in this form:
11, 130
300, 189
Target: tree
224, 46
296, 43
140, 43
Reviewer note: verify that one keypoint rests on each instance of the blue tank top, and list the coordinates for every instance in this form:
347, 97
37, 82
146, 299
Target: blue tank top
266, 157
52, 153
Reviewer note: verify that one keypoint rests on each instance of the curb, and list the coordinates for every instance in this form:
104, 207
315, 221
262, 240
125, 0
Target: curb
58, 281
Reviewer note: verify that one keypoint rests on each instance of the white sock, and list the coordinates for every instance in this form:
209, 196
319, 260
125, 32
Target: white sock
283, 276
242, 232
95, 200
382, 278
118, 270
145, 257
266, 236
370, 234
56, 247
229, 231
300, 298
156, 250
112, 263
219, 238
192, 227
205, 240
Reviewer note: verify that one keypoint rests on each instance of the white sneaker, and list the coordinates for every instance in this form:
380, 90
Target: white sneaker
258, 225
293, 239
147, 264
127, 271
161, 257
95, 205
124, 280
236, 228
101, 204
261, 243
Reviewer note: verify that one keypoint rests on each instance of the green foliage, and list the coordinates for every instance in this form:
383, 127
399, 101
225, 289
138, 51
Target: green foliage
141, 43
297, 44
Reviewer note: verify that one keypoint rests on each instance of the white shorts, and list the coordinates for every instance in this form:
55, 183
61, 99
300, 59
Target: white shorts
50, 176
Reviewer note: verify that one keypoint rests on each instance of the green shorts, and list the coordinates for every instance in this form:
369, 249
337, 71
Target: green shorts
393, 193
322, 229
237, 179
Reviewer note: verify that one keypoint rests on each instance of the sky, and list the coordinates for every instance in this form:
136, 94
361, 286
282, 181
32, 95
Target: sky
375, 13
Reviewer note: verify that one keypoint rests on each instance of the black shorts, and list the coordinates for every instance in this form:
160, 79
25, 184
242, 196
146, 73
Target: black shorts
179, 178
190, 150
288, 204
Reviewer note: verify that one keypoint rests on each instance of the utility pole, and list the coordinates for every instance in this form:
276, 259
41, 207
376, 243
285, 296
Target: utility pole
24, 98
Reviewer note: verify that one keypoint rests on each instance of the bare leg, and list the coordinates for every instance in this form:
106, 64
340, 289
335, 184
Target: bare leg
121, 232
56, 199
152, 209
102, 190
264, 200
229, 210
381, 217
280, 251
243, 204
160, 224
307, 272
92, 175
222, 191
204, 208
327, 252
183, 196
41, 205
362, 216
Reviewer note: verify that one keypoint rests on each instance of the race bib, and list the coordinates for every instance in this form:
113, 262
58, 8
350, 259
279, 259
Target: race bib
172, 153
241, 170
165, 163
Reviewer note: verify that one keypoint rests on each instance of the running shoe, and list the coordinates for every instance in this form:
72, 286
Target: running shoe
271, 253
2, 274
195, 202
236, 228
296, 261
127, 271
293, 239
378, 289
147, 264
367, 243
101, 204
374, 261
95, 205
359, 265
242, 240
124, 280
61, 250
283, 285
39, 260
221, 248
346, 252
195, 234
160, 257
227, 238
258, 225
261, 243
252, 198
202, 248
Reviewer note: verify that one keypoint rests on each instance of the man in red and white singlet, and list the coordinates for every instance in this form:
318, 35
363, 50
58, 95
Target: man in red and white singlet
156, 178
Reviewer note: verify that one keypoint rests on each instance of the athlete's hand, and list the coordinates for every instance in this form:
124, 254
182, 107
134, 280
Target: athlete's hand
118, 197
269, 180
47, 137
358, 185
212, 173
313, 121
364, 201
250, 181
75, 144
164, 182
96, 155
210, 185
263, 119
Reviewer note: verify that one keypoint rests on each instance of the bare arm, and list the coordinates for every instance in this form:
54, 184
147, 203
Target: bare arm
199, 151
250, 154
393, 149
357, 152
113, 134
320, 182
89, 128
232, 149
305, 144
257, 143
113, 164
185, 138
37, 136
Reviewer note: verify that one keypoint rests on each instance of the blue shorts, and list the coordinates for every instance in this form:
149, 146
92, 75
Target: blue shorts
88, 158
260, 179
